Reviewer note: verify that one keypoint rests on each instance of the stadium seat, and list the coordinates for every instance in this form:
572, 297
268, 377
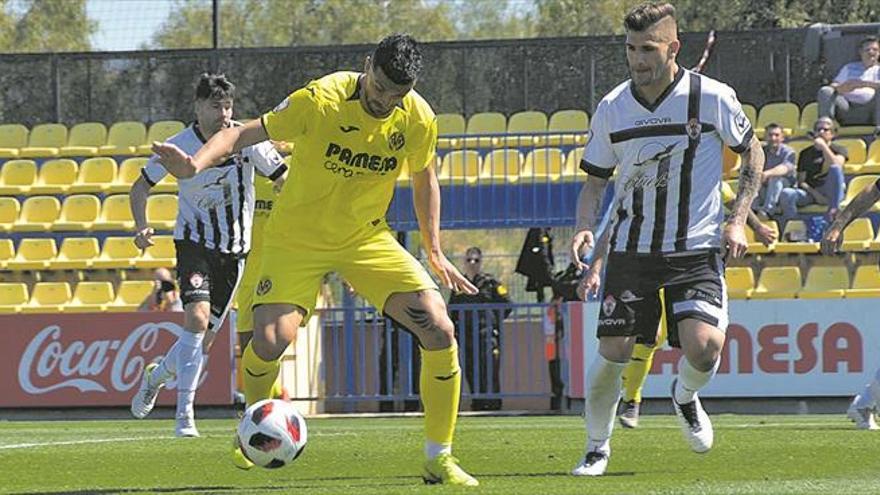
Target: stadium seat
9, 210
13, 137
740, 282
17, 177
531, 127
459, 166
872, 159
755, 247
129, 171
571, 170
38, 213
543, 164
855, 130
786, 114
866, 282
33, 254
90, 297
162, 211
7, 252
778, 282
502, 166
124, 138
857, 152
76, 253
857, 236
48, 297
78, 213
825, 282
44, 141
130, 295
115, 214
571, 126
160, 131
485, 123
856, 185
751, 114
117, 252
809, 115
162, 254
799, 146
56, 177
450, 123
12, 296
85, 139
168, 184
795, 229
95, 175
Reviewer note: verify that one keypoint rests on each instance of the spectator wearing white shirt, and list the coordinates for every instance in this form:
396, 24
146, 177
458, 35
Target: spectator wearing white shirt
852, 98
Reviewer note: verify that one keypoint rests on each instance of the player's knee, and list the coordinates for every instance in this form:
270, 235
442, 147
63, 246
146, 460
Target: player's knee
440, 332
267, 349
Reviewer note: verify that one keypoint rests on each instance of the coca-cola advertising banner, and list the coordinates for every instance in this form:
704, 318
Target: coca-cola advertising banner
97, 359
785, 348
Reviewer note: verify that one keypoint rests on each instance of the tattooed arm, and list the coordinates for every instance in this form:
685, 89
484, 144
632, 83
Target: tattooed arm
588, 209
749, 183
859, 205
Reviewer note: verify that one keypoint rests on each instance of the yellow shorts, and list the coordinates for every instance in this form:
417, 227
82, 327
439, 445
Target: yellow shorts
376, 266
244, 298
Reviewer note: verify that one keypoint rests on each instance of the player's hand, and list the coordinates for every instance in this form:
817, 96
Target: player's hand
589, 285
832, 239
734, 240
144, 238
449, 275
765, 235
581, 242
175, 160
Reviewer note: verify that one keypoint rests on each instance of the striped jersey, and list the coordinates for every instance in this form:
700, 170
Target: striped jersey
216, 206
668, 159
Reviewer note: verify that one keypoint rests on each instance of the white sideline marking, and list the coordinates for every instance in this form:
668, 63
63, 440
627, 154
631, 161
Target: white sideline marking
78, 442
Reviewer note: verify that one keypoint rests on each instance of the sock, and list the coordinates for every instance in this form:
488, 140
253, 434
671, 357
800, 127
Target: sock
636, 372
189, 366
603, 389
167, 368
691, 380
259, 376
440, 382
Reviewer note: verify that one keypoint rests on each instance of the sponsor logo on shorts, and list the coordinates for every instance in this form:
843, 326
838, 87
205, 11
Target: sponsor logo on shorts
701, 295
196, 280
608, 305
612, 322
264, 286
628, 297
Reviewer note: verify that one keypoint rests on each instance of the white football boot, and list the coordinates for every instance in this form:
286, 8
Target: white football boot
695, 423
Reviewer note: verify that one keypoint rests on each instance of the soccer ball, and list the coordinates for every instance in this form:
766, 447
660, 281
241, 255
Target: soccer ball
272, 433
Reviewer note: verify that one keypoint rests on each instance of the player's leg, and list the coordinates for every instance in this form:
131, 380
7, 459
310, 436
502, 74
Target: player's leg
636, 372
864, 405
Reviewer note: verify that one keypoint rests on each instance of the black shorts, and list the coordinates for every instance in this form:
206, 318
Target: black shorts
693, 287
208, 275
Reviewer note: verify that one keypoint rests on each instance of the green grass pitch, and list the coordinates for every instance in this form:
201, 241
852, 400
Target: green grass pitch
509, 455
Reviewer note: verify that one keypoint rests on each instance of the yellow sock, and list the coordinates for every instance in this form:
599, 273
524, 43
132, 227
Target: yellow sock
259, 376
440, 383
636, 372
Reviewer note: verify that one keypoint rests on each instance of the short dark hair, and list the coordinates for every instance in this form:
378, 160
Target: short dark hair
771, 126
868, 40
474, 250
399, 58
646, 15
214, 86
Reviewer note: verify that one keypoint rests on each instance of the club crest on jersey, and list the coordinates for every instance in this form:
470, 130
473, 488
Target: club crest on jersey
396, 141
693, 128
281, 106
264, 286
196, 280
608, 305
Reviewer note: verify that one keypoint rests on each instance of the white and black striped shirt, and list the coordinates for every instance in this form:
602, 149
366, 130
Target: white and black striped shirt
669, 154
216, 206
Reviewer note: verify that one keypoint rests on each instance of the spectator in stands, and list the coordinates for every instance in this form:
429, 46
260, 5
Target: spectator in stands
165, 296
852, 97
481, 327
779, 171
820, 174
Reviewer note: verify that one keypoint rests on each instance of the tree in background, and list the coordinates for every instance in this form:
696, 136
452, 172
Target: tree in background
45, 26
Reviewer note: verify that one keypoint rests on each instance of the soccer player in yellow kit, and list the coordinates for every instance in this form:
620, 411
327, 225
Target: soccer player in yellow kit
353, 133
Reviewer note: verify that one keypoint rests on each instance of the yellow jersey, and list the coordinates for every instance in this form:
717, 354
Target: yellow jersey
264, 194
343, 173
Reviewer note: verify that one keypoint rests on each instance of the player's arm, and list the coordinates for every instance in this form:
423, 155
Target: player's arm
856, 208
749, 184
222, 144
589, 207
150, 175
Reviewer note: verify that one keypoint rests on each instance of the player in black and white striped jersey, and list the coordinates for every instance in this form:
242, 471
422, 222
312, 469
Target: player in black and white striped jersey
212, 237
663, 131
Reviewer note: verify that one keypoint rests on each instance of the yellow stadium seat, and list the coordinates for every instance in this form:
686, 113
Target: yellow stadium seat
531, 127
856, 130
115, 214
756, 247
570, 127
17, 177
825, 282
809, 115
740, 282
857, 152
78, 213
799, 146
168, 184
778, 282
56, 177
33, 254
9, 210
117, 252
543, 164
44, 141
7, 252
571, 170
90, 297
129, 171
12, 296
162, 254
785, 114
131, 294
38, 213
795, 229
857, 236
751, 114
485, 123
124, 138
95, 175
160, 131
12, 138
459, 166
500, 166
450, 123
76, 253
85, 139
162, 211
48, 297
857, 185
866, 282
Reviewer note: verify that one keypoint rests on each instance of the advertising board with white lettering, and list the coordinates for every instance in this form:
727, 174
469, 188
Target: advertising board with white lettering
97, 359
777, 348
